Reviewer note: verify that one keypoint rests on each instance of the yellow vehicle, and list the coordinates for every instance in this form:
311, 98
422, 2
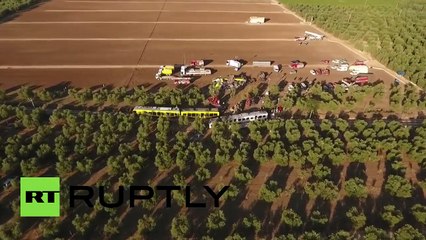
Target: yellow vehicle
218, 82
167, 70
240, 79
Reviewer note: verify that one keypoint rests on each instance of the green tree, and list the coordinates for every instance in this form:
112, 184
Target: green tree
355, 187
81, 223
216, 220
373, 233
25, 93
340, 235
318, 218
199, 125
235, 236
311, 235
269, 191
146, 224
180, 227
398, 186
419, 212
49, 228
252, 222
11, 230
408, 232
324, 189
29, 166
202, 174
111, 227
85, 166
2, 95
357, 218
291, 218
391, 215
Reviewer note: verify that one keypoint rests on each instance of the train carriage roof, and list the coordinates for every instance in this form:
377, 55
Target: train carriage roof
200, 110
151, 108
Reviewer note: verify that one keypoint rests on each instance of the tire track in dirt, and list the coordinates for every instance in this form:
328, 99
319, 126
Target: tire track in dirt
375, 172
412, 168
146, 44
224, 175
284, 199
342, 192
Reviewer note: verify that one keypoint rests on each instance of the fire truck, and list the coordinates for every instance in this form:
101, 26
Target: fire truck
194, 71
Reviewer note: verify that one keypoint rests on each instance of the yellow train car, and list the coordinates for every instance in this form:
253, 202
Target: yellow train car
157, 111
200, 112
176, 112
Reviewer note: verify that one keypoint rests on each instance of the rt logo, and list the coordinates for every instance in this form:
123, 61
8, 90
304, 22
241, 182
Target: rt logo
40, 197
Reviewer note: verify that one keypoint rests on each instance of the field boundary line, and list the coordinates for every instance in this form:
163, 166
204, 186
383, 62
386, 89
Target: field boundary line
159, 10
130, 66
151, 22
175, 2
154, 39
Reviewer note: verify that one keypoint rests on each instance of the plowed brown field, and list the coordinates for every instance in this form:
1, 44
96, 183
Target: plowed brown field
92, 42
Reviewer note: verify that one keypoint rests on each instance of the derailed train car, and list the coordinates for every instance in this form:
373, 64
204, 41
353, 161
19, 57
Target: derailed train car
242, 118
176, 112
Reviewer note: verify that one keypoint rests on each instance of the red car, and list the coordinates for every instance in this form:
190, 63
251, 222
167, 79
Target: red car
214, 101
296, 64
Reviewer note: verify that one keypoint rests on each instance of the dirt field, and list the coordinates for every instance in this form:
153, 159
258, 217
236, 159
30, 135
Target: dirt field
91, 42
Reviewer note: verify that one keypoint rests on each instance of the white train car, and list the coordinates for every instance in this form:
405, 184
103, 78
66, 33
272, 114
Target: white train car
242, 118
